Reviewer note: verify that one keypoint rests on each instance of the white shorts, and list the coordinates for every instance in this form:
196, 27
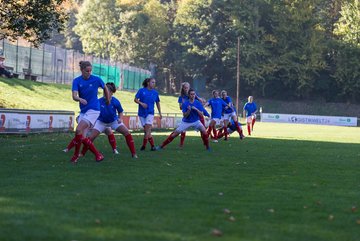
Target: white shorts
250, 118
89, 117
101, 126
147, 121
229, 116
217, 121
183, 126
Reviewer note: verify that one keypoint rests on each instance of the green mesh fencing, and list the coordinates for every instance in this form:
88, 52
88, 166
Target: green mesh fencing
107, 73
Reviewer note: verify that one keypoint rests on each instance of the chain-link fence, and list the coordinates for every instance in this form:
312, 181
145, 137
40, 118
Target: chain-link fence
53, 64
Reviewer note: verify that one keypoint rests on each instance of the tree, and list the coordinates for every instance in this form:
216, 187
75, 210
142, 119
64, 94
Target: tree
33, 20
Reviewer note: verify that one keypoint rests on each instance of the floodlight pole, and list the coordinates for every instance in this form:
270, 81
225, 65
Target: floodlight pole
238, 76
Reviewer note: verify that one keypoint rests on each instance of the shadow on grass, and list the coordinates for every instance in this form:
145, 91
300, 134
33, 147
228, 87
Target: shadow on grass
276, 190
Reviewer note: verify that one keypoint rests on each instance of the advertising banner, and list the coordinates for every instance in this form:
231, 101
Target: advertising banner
309, 119
34, 121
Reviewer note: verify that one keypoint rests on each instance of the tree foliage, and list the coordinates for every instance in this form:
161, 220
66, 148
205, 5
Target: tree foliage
297, 49
33, 20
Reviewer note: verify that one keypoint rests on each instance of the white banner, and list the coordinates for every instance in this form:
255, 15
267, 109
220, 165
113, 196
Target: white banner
309, 119
20, 121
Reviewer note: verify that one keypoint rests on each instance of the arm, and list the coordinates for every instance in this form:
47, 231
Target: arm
187, 112
107, 95
137, 101
120, 116
159, 108
76, 97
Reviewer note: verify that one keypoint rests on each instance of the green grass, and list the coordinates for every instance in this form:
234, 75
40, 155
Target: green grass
24, 94
286, 182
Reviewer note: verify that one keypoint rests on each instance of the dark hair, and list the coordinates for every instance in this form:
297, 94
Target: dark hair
146, 81
190, 90
111, 86
84, 64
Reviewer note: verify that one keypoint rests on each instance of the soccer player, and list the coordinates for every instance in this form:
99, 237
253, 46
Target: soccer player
184, 96
146, 98
230, 128
230, 114
249, 113
84, 90
109, 118
87, 133
191, 109
217, 105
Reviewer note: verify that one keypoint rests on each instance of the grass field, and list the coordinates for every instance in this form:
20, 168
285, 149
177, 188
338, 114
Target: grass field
24, 94
286, 182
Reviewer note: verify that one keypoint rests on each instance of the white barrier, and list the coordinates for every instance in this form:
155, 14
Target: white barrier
309, 119
34, 121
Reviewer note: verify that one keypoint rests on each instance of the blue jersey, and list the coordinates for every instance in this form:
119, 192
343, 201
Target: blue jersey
217, 105
232, 126
183, 98
194, 115
88, 90
148, 97
250, 108
227, 100
108, 113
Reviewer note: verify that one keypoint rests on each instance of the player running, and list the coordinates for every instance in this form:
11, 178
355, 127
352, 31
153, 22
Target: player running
146, 98
249, 113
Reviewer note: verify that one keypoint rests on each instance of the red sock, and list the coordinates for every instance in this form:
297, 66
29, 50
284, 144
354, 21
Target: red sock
84, 150
130, 143
168, 140
182, 138
237, 124
202, 120
249, 129
71, 144
151, 141
78, 140
220, 135
145, 140
209, 130
91, 146
253, 123
214, 132
225, 133
205, 139
112, 140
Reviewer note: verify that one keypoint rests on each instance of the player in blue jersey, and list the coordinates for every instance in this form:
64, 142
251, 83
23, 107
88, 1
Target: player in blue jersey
191, 109
84, 90
184, 96
230, 128
217, 105
250, 114
230, 114
111, 117
146, 98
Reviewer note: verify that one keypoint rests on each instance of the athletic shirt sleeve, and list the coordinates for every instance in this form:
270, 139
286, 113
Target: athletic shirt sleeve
118, 105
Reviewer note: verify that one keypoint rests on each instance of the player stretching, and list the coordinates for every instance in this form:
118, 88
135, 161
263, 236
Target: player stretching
184, 96
146, 97
84, 90
230, 114
249, 113
109, 118
191, 109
